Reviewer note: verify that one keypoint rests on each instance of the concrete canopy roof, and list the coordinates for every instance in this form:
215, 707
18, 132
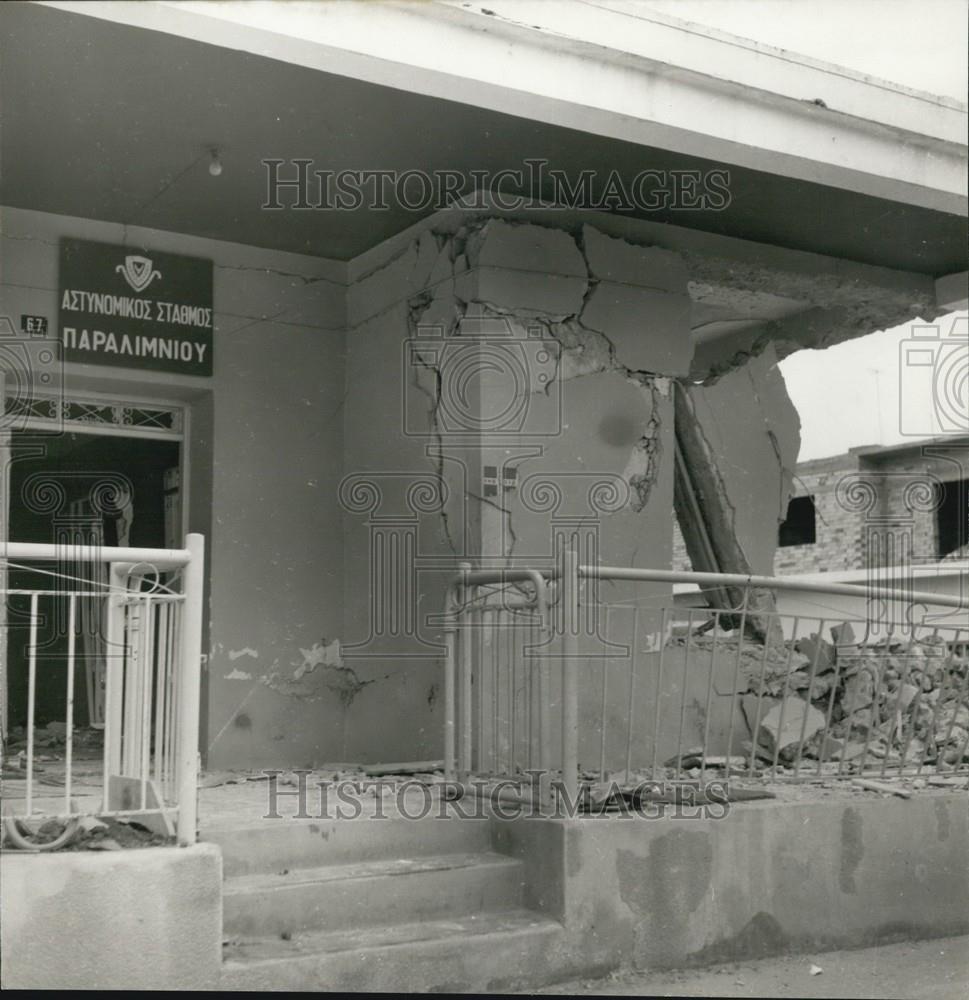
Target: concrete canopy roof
113, 121
847, 195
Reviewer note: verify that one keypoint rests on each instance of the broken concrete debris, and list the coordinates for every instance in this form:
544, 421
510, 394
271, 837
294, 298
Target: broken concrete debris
854, 705
89, 833
623, 792
859, 692
788, 722
54, 734
816, 648
405, 767
900, 701
694, 757
881, 786
843, 635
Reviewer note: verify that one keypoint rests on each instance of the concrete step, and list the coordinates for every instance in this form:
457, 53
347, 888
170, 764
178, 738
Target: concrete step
274, 844
487, 952
370, 893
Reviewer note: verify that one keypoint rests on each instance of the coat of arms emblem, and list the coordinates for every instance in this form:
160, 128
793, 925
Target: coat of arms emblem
138, 271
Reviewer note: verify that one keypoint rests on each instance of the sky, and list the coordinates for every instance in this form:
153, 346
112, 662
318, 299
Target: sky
858, 393
868, 391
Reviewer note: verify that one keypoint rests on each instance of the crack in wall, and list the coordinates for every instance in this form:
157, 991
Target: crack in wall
582, 352
508, 529
443, 262
276, 272
453, 298
417, 307
642, 470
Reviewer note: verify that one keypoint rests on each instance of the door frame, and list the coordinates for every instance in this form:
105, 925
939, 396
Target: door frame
132, 415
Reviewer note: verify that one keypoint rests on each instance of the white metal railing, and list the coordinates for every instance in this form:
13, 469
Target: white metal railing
149, 604
543, 675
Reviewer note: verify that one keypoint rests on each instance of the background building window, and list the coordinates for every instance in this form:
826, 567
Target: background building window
952, 515
799, 527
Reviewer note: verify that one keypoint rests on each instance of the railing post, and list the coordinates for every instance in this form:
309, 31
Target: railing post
450, 653
464, 644
190, 671
570, 668
115, 658
450, 641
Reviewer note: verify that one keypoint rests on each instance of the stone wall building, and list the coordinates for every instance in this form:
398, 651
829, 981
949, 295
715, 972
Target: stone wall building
874, 506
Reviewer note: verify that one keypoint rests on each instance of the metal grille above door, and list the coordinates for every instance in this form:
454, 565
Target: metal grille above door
92, 413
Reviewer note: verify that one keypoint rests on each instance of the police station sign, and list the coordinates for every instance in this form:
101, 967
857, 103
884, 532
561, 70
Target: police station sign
135, 309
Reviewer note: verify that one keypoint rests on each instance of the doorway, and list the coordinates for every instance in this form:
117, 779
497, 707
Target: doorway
87, 488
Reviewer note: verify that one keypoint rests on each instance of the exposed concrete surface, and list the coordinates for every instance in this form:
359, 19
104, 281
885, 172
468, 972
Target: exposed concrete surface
393, 904
819, 868
486, 953
750, 432
709, 95
768, 878
924, 970
836, 306
543, 353
137, 919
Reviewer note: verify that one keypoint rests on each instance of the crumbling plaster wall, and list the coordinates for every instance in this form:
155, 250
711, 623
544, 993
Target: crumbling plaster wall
589, 455
265, 459
598, 327
581, 449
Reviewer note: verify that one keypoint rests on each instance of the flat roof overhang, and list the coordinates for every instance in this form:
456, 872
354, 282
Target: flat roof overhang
110, 110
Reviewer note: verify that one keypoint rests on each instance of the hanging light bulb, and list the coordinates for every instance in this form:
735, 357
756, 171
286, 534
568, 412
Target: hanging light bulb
215, 164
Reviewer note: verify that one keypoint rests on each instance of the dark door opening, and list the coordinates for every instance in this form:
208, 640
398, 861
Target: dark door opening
78, 488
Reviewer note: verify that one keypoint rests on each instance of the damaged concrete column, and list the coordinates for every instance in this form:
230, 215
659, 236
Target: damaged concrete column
555, 390
737, 438
529, 370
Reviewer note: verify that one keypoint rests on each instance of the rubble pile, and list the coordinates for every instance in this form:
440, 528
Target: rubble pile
53, 736
851, 704
50, 743
909, 700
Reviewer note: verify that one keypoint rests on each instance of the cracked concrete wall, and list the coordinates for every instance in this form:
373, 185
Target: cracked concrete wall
621, 336
389, 496
543, 354
582, 446
299, 670
265, 448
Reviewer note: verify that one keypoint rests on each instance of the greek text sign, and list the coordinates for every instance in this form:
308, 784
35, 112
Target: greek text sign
135, 308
